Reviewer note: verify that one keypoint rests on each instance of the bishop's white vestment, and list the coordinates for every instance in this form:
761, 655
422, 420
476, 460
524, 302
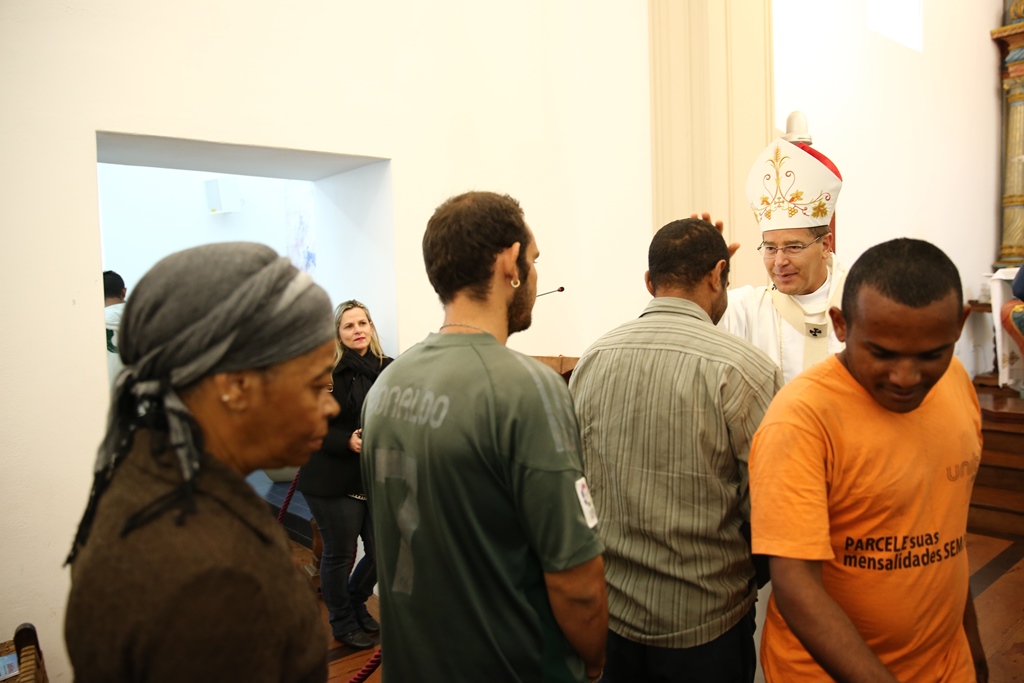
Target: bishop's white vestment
754, 315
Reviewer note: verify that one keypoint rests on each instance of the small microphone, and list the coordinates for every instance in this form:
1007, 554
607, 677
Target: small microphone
553, 291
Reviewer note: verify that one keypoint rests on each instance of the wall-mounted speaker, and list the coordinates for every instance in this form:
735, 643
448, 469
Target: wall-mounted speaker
223, 195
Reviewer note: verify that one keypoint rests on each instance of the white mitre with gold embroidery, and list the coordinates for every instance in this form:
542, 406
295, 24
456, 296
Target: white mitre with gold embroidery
792, 186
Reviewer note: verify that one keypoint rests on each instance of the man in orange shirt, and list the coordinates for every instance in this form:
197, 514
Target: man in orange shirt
861, 475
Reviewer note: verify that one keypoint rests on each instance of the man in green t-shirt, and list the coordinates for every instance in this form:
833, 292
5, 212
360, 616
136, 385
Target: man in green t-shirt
488, 557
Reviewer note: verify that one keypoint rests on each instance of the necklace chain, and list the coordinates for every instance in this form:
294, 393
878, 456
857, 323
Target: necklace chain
472, 327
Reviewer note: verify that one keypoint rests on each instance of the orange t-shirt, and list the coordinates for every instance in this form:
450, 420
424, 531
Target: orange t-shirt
881, 499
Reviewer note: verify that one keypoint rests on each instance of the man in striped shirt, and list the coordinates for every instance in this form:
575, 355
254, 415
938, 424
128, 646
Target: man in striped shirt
667, 407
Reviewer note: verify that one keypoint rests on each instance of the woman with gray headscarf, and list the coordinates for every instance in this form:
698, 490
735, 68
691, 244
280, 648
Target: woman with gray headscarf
178, 570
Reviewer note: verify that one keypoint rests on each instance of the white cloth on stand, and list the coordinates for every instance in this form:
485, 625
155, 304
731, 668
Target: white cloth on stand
1008, 355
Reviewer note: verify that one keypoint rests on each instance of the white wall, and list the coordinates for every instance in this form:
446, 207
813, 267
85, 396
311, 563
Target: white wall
916, 134
548, 101
553, 107
357, 250
147, 213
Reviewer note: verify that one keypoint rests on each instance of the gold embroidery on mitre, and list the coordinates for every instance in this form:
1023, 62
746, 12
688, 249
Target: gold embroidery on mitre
787, 198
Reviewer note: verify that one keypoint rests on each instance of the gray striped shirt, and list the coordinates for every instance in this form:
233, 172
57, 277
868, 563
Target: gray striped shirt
667, 406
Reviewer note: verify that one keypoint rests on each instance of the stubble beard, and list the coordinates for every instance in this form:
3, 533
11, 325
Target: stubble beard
520, 311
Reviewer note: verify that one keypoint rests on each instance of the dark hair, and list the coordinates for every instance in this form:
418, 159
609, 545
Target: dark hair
683, 252
463, 237
113, 284
815, 232
820, 231
910, 272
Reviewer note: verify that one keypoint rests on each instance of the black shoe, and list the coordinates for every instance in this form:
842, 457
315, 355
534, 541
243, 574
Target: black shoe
368, 623
357, 640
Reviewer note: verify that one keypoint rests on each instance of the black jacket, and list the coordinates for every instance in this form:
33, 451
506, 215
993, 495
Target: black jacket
334, 469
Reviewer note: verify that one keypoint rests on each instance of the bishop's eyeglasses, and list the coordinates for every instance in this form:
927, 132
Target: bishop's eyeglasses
768, 252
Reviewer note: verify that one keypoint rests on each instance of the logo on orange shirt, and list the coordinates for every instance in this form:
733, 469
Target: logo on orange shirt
961, 471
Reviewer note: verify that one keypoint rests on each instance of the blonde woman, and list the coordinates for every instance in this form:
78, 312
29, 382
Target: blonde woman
332, 482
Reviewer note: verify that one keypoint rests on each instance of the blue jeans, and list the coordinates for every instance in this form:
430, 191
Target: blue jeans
342, 520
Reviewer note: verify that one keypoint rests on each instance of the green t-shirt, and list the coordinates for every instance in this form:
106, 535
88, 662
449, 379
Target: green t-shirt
471, 458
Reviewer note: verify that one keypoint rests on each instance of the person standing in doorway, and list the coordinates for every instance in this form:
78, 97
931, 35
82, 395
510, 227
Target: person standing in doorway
333, 486
114, 295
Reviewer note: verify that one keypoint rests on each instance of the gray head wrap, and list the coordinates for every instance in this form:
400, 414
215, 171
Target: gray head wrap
216, 308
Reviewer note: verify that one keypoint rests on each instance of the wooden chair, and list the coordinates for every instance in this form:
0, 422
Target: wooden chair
31, 668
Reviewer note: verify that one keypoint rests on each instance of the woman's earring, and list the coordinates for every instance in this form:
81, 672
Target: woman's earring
225, 398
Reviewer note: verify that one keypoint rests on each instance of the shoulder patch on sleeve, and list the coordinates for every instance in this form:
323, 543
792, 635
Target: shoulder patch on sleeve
586, 502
